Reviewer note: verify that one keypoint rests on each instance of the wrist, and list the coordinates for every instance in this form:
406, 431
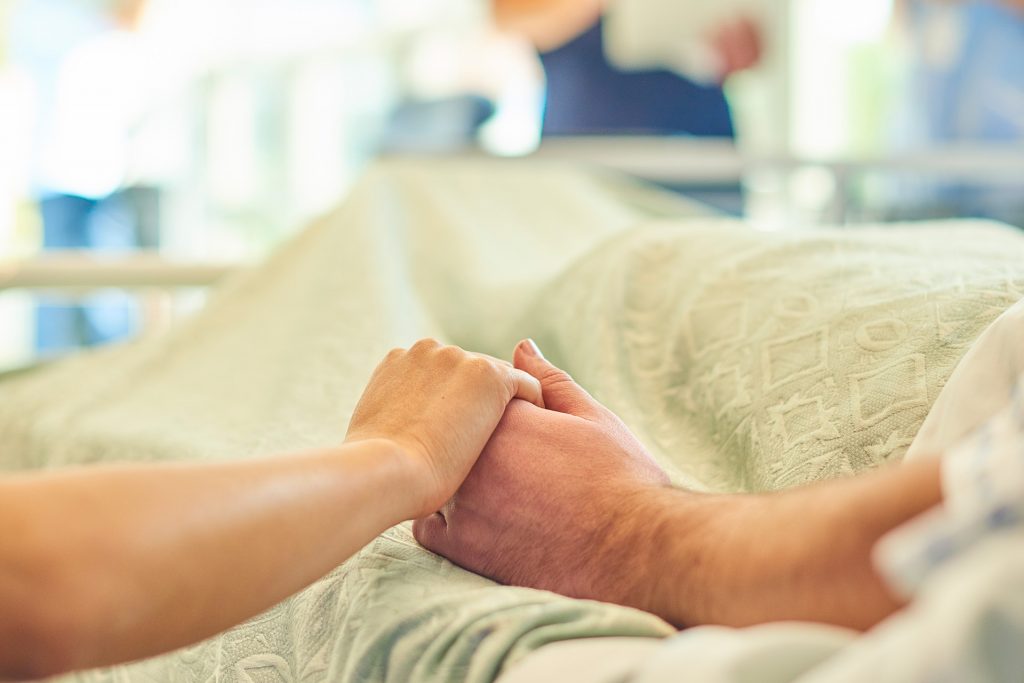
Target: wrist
679, 561
650, 552
399, 477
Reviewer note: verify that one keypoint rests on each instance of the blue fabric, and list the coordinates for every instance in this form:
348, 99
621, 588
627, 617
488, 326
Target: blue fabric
967, 89
979, 95
586, 95
71, 222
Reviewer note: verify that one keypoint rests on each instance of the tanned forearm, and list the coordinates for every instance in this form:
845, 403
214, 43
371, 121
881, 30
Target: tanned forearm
111, 564
108, 564
547, 23
740, 560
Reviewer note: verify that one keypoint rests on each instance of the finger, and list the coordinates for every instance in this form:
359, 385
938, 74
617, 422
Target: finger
527, 387
432, 533
560, 392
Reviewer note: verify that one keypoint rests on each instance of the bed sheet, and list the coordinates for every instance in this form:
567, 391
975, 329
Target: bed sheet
744, 360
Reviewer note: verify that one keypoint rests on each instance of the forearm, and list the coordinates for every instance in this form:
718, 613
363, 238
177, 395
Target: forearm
547, 23
803, 554
119, 563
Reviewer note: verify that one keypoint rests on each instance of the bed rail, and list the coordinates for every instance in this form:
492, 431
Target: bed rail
81, 272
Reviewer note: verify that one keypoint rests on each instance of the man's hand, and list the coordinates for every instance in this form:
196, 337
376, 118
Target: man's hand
566, 499
550, 504
438, 405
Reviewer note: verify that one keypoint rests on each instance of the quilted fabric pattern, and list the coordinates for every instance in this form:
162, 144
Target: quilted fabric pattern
756, 361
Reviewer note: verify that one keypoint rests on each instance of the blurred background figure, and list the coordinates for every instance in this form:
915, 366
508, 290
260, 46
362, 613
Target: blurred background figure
89, 82
967, 88
969, 69
586, 94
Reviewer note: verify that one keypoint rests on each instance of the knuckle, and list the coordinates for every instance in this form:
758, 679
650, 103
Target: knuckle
479, 363
426, 344
451, 353
486, 370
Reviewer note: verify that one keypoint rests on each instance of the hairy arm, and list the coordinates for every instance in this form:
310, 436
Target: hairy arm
547, 24
803, 554
566, 499
108, 564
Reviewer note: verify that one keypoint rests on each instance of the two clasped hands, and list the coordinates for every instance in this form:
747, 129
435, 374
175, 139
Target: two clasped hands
510, 470
564, 498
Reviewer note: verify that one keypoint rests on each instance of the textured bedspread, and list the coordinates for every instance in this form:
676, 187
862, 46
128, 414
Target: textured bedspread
744, 360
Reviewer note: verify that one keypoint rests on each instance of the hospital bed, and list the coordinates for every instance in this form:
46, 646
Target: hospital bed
148, 275
675, 161
694, 163
83, 271
745, 360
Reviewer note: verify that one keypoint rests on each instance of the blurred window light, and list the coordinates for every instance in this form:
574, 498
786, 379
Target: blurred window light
232, 152
826, 36
16, 315
335, 115
99, 98
863, 21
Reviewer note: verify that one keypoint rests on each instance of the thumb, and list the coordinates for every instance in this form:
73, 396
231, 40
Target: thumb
561, 393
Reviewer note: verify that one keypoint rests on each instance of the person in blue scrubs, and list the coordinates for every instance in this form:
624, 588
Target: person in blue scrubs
81, 203
969, 74
968, 89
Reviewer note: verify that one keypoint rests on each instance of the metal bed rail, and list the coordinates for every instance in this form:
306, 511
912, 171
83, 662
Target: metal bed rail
682, 159
79, 272
669, 160
698, 162
150, 276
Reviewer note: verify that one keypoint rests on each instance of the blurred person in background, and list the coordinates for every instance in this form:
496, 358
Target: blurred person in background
967, 88
88, 79
588, 95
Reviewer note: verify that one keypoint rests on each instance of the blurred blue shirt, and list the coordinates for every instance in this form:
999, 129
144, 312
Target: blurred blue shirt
586, 95
970, 77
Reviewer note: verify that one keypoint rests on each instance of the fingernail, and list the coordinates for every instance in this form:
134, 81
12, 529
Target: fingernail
532, 348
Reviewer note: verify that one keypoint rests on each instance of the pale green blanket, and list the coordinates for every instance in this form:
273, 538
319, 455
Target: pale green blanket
744, 360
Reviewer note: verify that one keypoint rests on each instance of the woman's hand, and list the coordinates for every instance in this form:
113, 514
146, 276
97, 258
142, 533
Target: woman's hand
170, 569
439, 405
